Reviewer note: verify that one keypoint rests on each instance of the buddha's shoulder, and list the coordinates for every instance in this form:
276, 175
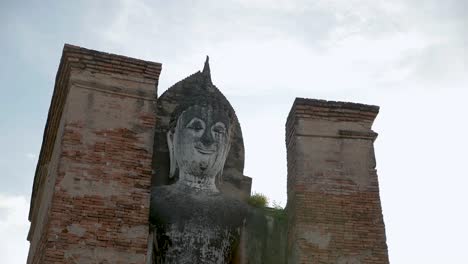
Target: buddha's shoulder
161, 191
163, 196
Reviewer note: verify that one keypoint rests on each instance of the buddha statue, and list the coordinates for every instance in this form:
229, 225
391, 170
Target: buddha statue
192, 221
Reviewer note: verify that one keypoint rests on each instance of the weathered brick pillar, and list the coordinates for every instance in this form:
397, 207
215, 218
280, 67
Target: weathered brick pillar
334, 208
91, 193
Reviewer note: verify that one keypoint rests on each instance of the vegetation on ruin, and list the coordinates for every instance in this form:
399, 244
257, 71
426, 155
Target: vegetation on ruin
278, 212
258, 200
274, 210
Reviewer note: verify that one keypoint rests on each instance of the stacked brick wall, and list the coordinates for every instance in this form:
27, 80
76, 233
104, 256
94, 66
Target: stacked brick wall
91, 193
334, 206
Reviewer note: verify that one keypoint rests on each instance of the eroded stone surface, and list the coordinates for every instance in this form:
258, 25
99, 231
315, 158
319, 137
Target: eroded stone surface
91, 193
195, 226
194, 222
334, 212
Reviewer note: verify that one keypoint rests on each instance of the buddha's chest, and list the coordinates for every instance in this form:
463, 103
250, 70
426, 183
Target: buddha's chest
193, 242
197, 230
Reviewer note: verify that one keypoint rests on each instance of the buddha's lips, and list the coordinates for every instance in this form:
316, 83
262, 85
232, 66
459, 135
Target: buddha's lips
205, 151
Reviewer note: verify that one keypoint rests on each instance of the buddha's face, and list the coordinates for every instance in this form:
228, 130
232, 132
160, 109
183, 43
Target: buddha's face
201, 143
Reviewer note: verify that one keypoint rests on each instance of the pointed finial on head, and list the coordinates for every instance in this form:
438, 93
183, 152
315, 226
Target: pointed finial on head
206, 70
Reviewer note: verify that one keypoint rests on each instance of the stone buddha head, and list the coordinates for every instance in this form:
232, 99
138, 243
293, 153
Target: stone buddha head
199, 140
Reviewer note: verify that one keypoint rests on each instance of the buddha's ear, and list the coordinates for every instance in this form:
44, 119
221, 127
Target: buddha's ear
219, 176
170, 145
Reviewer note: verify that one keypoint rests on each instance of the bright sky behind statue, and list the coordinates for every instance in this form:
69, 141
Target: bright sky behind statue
408, 57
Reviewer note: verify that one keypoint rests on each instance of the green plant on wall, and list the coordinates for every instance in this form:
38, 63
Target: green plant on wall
277, 206
258, 200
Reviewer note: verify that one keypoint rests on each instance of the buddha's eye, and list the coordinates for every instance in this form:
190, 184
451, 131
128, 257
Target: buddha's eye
196, 125
219, 128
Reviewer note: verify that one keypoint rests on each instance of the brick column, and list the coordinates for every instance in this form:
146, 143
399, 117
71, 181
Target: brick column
91, 193
333, 206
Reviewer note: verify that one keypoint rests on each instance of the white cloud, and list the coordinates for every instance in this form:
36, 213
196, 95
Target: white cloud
14, 226
32, 156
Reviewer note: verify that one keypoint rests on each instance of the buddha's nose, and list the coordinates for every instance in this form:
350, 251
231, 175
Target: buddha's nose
207, 138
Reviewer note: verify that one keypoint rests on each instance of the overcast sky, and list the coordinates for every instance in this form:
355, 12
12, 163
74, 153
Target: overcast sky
409, 57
